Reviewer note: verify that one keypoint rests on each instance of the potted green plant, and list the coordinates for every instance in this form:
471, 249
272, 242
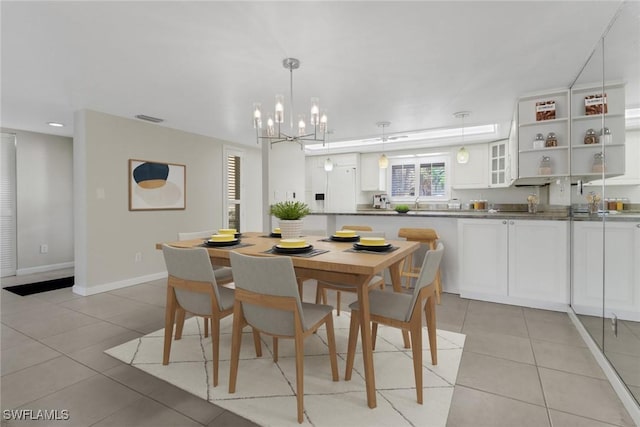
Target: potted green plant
290, 214
401, 209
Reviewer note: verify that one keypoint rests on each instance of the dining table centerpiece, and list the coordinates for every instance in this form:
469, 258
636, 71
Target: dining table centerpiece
290, 214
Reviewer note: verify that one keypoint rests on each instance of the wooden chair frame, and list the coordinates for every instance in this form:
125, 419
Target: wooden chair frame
426, 236
413, 326
321, 287
290, 304
174, 313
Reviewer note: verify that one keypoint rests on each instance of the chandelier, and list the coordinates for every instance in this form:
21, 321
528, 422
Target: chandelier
273, 132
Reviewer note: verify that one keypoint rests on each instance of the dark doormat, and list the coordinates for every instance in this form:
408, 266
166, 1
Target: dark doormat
36, 288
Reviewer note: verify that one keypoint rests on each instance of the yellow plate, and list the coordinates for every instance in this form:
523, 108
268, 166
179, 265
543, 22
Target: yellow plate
345, 233
222, 238
276, 230
372, 241
292, 243
231, 231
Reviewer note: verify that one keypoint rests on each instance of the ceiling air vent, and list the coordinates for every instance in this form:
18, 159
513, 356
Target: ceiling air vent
149, 118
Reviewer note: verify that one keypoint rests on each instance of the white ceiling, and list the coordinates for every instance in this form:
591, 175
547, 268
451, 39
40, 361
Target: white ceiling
202, 65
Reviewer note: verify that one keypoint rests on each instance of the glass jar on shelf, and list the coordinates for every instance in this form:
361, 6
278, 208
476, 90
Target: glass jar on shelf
599, 164
552, 140
545, 166
606, 136
590, 137
539, 141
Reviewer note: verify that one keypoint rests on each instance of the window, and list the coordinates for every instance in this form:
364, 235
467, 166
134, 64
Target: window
424, 177
233, 161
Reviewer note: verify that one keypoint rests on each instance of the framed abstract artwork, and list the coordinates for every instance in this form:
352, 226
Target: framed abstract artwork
156, 185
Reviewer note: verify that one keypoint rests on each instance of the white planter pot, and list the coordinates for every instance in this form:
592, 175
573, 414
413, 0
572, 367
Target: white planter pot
290, 228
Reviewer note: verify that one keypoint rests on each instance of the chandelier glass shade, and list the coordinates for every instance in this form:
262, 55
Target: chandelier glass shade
275, 133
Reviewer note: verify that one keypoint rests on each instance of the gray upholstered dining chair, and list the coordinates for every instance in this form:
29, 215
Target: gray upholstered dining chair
192, 288
267, 299
404, 311
376, 281
223, 274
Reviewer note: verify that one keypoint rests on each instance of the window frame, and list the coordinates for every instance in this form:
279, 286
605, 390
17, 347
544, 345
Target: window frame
416, 161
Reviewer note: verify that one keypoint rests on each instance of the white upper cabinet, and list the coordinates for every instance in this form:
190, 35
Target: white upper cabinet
499, 165
372, 178
474, 173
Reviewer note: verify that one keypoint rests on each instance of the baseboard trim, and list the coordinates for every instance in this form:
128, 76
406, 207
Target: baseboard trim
44, 268
621, 390
106, 287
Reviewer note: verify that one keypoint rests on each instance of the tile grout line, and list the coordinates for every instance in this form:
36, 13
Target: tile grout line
535, 361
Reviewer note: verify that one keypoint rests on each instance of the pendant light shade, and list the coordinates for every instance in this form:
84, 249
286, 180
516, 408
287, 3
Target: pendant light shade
462, 156
328, 165
383, 161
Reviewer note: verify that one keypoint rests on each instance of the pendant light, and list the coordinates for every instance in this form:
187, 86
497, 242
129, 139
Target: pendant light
383, 161
463, 155
328, 164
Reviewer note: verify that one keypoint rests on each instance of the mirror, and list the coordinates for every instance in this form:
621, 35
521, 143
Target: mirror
605, 293
621, 332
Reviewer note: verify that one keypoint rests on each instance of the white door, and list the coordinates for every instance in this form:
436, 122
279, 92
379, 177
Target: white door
8, 205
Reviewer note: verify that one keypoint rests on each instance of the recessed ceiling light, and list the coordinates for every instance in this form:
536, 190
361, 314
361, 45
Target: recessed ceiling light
55, 124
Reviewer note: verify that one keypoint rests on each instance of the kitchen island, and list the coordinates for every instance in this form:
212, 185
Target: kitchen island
509, 257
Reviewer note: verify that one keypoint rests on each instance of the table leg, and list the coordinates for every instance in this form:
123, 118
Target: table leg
367, 348
396, 281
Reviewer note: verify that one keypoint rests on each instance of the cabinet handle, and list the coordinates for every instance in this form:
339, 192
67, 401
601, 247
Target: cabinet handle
505, 221
511, 222
638, 225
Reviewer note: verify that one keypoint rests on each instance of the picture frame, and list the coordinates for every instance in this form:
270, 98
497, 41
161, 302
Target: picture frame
156, 185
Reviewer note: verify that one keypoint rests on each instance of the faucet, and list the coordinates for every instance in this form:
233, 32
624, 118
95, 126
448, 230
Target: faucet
417, 206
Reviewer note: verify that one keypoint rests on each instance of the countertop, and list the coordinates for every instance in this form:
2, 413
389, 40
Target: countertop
553, 215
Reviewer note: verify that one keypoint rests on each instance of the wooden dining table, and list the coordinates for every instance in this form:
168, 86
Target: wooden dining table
339, 264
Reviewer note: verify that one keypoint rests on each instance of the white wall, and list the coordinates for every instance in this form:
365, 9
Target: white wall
108, 235
44, 189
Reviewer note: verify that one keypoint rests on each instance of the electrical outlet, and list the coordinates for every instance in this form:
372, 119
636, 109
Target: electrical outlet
44, 248
138, 257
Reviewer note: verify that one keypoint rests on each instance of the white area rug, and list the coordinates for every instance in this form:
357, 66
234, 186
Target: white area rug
265, 391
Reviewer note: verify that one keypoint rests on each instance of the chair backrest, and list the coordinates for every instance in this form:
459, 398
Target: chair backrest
195, 234
428, 272
192, 264
424, 235
267, 276
357, 227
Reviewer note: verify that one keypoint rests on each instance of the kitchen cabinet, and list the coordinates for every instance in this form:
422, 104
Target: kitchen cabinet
372, 178
499, 164
530, 155
521, 262
582, 154
474, 173
619, 268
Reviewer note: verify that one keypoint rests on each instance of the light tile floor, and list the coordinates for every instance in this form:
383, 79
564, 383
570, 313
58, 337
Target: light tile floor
520, 366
